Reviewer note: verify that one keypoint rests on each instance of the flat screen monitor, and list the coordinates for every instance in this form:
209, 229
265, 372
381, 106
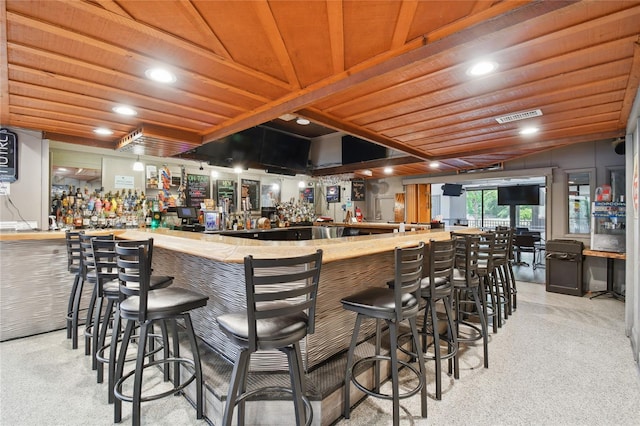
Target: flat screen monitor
521, 195
452, 189
284, 152
187, 212
356, 150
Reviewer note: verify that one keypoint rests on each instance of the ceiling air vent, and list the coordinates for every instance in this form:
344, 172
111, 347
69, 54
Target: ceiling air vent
518, 116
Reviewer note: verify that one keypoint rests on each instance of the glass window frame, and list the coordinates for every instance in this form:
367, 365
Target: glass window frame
571, 203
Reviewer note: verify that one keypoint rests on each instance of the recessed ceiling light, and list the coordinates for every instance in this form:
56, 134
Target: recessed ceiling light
529, 130
237, 169
482, 68
434, 164
302, 121
275, 186
367, 172
102, 131
160, 75
388, 170
214, 173
301, 184
124, 110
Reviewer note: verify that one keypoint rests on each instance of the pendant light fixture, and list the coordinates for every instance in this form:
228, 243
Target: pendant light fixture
138, 166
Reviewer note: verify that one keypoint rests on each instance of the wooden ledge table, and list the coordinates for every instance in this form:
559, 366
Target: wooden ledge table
611, 257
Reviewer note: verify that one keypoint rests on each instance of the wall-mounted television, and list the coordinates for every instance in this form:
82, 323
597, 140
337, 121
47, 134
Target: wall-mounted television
356, 150
452, 189
521, 195
239, 148
284, 151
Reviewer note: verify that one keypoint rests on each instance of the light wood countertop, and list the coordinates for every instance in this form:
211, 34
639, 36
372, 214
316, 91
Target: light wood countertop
233, 250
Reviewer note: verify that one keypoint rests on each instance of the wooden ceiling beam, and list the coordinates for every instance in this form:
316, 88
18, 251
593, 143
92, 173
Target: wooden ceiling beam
201, 25
336, 34
349, 168
632, 85
307, 96
78, 140
113, 7
332, 122
277, 43
403, 24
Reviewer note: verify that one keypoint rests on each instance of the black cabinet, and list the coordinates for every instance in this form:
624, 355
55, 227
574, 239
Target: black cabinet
564, 267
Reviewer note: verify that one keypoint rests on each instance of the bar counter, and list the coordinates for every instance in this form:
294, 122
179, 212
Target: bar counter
213, 265
210, 264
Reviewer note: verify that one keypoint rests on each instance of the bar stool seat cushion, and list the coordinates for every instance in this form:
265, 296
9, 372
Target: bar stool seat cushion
112, 288
379, 302
271, 332
163, 303
443, 287
460, 279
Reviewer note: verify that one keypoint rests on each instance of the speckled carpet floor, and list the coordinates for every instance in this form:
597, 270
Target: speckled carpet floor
559, 360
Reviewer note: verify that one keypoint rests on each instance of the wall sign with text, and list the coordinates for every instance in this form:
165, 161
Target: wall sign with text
8, 156
357, 190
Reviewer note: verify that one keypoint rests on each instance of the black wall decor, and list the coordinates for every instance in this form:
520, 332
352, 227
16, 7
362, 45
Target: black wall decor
8, 156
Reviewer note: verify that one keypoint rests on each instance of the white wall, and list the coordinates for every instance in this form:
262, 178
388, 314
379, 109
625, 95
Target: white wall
632, 308
26, 200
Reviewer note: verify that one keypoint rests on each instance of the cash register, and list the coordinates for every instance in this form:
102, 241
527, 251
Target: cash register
189, 218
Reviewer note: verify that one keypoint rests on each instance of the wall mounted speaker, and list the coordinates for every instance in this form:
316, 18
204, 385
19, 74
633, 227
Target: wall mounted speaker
618, 146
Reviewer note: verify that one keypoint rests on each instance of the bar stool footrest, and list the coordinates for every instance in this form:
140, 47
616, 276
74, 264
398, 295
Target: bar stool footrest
117, 391
266, 389
377, 358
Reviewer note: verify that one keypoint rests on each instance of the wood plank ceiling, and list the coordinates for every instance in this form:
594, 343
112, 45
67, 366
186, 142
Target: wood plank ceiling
392, 72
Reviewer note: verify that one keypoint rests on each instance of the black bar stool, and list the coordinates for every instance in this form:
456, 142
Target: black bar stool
501, 273
393, 305
468, 301
140, 305
437, 286
90, 276
281, 302
108, 289
74, 266
486, 268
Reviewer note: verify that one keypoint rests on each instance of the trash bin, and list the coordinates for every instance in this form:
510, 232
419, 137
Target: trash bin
564, 267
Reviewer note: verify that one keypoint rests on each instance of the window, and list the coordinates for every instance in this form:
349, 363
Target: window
483, 210
579, 190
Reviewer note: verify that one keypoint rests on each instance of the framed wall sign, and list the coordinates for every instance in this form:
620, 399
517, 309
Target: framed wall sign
357, 190
307, 195
197, 190
249, 192
8, 156
333, 194
227, 194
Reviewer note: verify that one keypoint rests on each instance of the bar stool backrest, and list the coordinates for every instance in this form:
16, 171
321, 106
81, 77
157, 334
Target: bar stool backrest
86, 254
466, 261
502, 241
74, 256
280, 287
134, 272
485, 251
104, 259
441, 262
409, 264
